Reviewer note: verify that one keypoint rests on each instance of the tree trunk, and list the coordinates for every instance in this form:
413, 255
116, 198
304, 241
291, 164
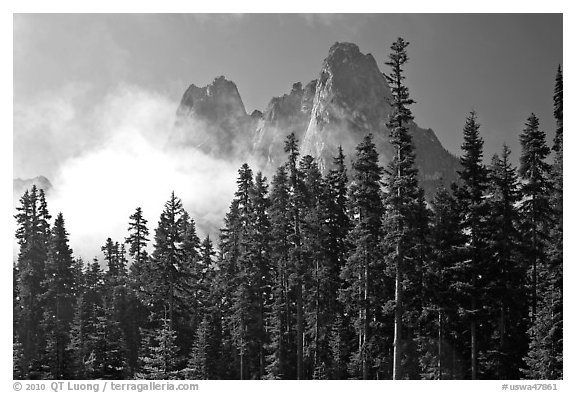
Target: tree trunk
317, 311
241, 354
440, 344
366, 323
300, 332
262, 333
473, 342
397, 319
502, 329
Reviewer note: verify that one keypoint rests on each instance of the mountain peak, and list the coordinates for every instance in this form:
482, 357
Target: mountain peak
343, 49
353, 99
212, 101
212, 118
346, 52
350, 99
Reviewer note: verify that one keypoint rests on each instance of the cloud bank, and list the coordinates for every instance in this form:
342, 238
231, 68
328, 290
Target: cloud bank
121, 160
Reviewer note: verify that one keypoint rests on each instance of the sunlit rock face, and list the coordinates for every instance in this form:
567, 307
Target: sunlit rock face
352, 100
349, 99
285, 114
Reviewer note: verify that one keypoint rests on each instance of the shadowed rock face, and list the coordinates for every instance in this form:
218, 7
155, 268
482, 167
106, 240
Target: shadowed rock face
350, 99
213, 118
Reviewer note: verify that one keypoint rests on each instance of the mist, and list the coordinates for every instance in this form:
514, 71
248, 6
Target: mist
127, 161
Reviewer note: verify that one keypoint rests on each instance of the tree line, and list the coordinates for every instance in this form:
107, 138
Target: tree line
354, 274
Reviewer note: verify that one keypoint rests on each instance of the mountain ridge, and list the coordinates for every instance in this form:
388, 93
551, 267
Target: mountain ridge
350, 99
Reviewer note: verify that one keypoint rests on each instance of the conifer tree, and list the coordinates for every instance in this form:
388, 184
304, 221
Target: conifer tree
316, 281
138, 237
161, 360
33, 237
545, 355
558, 100
338, 344
509, 306
59, 299
280, 314
198, 290
115, 257
137, 241
535, 207
200, 365
445, 282
402, 194
168, 288
227, 273
109, 348
258, 253
297, 265
214, 311
243, 296
471, 194
89, 306
363, 289
337, 222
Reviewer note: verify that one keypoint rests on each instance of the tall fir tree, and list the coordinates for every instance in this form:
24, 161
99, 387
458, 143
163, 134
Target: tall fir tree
316, 281
59, 300
297, 266
337, 228
545, 355
509, 295
280, 314
258, 252
535, 207
363, 290
471, 194
445, 284
401, 198
243, 303
33, 237
168, 288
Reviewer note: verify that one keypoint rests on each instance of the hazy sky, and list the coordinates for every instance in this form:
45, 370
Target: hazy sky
502, 66
95, 96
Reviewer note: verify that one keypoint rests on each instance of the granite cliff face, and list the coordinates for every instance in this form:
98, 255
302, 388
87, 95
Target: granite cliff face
285, 114
350, 99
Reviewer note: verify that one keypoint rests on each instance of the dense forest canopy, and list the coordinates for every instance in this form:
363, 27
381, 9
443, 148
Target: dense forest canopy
349, 275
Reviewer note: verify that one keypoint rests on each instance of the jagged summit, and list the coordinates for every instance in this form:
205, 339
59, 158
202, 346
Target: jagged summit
349, 99
352, 99
221, 97
214, 119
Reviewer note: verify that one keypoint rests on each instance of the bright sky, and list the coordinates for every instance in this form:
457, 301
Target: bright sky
501, 65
